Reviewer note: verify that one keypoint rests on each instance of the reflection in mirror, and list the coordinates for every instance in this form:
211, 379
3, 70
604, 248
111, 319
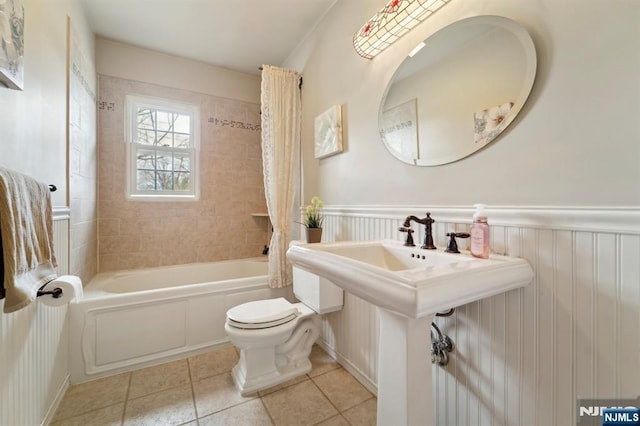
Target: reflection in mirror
458, 92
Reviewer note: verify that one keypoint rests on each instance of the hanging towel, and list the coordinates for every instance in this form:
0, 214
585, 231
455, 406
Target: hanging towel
26, 231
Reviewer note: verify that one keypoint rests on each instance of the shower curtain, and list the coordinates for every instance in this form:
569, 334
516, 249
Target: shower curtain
280, 104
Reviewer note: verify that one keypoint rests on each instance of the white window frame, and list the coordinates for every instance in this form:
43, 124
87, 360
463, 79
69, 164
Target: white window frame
132, 103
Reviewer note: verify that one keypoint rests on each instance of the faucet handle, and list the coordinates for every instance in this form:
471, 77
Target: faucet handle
452, 246
409, 231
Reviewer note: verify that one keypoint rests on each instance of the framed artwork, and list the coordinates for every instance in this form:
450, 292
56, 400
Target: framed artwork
399, 130
12, 44
490, 122
328, 132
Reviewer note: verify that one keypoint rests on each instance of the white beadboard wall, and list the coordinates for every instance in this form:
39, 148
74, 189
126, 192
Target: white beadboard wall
33, 349
524, 357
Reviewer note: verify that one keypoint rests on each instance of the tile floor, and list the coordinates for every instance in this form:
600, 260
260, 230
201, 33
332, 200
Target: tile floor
200, 391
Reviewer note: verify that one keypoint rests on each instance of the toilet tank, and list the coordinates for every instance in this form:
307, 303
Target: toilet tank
316, 292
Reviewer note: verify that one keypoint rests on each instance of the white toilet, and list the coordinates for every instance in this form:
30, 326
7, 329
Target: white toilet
275, 336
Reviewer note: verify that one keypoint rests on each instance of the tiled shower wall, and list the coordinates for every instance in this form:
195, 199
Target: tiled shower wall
219, 226
82, 161
526, 356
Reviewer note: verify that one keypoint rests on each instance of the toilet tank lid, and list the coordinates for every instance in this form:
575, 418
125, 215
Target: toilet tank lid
261, 311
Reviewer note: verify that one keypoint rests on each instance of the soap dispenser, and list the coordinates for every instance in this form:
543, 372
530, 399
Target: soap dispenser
480, 233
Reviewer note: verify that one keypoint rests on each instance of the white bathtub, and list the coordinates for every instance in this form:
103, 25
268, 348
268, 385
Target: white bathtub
131, 319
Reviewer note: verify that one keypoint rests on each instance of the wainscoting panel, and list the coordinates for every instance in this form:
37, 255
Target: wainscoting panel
526, 356
33, 349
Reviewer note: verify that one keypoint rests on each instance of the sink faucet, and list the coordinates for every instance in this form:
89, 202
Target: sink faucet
428, 236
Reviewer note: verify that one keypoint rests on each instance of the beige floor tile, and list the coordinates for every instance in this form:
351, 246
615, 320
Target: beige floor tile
342, 389
107, 416
363, 414
92, 395
334, 421
169, 407
286, 384
158, 378
321, 362
216, 393
213, 363
301, 404
249, 413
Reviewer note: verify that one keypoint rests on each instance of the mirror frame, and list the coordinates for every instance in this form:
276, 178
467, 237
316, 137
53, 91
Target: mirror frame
526, 42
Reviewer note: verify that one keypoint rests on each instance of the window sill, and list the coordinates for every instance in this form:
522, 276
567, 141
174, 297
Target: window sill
161, 198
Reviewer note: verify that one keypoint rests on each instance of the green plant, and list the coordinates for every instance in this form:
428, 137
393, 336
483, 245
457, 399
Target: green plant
312, 216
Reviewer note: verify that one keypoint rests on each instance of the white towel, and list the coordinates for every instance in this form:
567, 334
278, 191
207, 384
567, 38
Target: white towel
26, 230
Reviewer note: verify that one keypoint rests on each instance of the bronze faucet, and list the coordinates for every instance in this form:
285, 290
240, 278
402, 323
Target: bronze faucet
428, 236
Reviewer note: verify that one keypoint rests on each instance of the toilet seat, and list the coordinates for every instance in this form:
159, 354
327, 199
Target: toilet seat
262, 314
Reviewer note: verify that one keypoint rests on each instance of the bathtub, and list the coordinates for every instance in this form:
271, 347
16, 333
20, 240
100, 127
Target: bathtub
131, 319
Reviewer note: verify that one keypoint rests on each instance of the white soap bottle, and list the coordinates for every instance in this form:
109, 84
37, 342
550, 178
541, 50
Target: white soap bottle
480, 233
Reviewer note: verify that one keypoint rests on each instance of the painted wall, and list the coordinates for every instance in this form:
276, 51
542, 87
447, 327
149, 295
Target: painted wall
33, 140
523, 357
574, 143
133, 63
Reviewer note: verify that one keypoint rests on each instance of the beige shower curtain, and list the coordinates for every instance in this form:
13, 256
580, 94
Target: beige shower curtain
280, 103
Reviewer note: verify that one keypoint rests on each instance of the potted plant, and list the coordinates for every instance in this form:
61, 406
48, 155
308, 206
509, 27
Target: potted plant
313, 220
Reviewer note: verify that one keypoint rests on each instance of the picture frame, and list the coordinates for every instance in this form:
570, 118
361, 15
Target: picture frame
12, 44
328, 132
490, 122
399, 130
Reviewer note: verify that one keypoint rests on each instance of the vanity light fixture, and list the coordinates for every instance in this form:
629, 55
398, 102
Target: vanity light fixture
392, 22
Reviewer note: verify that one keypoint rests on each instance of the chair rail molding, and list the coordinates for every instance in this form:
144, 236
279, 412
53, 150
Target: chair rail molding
575, 218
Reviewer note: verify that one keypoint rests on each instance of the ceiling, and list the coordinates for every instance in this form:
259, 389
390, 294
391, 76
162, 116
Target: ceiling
240, 35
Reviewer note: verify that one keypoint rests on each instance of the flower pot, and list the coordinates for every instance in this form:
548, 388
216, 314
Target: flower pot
314, 235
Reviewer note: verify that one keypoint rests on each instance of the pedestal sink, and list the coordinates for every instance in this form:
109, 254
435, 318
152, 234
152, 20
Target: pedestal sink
408, 285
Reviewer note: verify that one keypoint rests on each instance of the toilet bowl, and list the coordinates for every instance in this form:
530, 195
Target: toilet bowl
275, 336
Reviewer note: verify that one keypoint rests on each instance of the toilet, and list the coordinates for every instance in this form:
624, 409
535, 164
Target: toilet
275, 336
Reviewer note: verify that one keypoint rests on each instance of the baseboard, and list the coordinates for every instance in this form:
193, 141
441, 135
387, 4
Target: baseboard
56, 402
350, 367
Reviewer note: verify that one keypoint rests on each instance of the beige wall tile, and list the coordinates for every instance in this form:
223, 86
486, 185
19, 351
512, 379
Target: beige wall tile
231, 188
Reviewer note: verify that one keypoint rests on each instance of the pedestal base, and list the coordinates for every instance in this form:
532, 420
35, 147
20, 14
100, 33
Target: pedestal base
405, 395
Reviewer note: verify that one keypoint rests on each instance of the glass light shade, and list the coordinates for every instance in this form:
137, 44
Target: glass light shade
393, 21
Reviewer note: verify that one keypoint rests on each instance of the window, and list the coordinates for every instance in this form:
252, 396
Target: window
162, 147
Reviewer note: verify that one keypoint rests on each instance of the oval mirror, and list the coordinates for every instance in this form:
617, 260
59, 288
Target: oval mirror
459, 91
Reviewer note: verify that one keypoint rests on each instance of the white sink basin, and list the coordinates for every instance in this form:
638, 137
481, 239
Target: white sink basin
409, 285
408, 280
